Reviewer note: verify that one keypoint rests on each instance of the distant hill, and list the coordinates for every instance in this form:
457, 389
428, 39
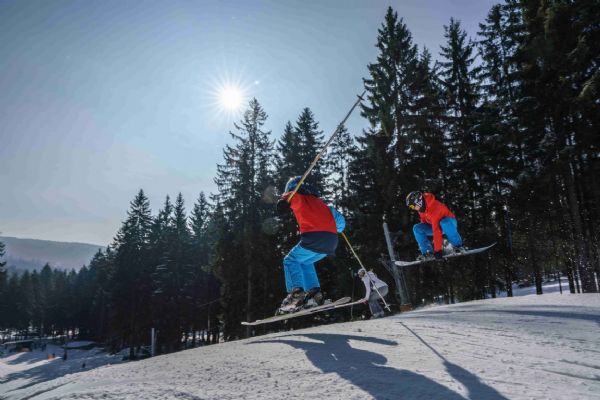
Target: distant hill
32, 254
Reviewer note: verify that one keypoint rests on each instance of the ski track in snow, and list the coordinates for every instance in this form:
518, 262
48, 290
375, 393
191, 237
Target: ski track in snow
532, 347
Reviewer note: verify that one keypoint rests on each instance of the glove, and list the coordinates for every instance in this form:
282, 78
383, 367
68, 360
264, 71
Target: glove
438, 256
283, 207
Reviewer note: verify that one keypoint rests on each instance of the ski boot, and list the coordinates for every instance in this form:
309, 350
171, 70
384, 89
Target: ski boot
292, 302
379, 314
425, 257
459, 249
313, 298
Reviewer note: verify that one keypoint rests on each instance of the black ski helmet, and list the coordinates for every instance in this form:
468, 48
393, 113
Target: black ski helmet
416, 199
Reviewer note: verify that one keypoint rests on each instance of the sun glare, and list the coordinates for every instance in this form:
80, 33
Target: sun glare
228, 95
231, 98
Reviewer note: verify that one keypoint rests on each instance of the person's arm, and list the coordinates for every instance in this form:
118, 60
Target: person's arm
437, 234
340, 221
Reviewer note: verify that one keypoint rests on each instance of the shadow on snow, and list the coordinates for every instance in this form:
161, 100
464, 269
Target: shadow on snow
367, 371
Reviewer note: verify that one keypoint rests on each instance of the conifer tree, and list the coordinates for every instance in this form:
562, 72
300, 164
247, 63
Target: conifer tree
203, 289
383, 171
102, 266
459, 80
2, 264
13, 302
310, 143
500, 39
241, 180
3, 289
339, 156
427, 144
289, 161
131, 282
25, 303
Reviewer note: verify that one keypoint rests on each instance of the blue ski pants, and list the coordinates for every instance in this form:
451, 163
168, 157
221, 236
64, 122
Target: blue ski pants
423, 231
299, 268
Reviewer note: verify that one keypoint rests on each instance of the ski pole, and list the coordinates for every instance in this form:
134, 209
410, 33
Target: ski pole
318, 156
363, 267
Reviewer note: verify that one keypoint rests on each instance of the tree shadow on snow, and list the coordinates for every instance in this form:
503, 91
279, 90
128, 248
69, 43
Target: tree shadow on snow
332, 353
77, 361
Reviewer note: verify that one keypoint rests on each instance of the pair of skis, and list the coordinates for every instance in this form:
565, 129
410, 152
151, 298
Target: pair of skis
343, 302
445, 256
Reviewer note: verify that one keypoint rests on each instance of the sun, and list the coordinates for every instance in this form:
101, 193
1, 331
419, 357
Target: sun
227, 95
231, 98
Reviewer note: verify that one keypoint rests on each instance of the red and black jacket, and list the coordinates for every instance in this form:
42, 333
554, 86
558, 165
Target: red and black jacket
318, 231
434, 212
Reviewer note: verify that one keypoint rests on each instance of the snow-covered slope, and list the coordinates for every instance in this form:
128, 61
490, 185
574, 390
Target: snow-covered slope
532, 347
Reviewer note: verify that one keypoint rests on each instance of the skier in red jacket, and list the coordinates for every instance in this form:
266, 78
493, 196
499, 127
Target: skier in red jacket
436, 220
319, 226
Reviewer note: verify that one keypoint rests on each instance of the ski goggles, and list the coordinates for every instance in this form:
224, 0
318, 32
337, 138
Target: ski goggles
412, 206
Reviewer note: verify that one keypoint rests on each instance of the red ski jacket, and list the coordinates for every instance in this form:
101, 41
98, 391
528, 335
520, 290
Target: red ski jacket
435, 211
311, 213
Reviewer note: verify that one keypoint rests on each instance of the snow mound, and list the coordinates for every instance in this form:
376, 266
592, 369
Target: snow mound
532, 347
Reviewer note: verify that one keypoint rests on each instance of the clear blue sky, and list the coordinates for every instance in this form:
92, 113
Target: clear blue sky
101, 98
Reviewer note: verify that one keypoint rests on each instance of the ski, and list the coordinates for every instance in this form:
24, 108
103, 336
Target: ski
446, 256
343, 302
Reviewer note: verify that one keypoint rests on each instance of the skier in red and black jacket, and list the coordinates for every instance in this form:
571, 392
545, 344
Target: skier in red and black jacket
319, 226
436, 220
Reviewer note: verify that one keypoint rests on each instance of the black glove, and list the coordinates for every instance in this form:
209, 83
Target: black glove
438, 256
283, 207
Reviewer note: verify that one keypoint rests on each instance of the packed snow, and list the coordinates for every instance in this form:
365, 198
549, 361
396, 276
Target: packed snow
530, 347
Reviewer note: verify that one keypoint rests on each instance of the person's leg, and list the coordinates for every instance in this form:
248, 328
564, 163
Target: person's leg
449, 227
374, 298
292, 266
374, 306
421, 232
310, 280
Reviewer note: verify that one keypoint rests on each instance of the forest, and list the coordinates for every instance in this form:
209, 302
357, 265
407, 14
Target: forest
503, 127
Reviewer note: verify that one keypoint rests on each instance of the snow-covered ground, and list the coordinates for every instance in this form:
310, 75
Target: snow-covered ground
530, 347
22, 370
547, 287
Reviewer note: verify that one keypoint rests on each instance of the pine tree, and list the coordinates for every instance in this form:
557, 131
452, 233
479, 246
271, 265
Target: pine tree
3, 289
131, 282
501, 36
383, 171
199, 220
2, 263
310, 143
459, 80
241, 181
289, 161
25, 303
174, 278
203, 289
337, 162
427, 145
43, 294
163, 318
12, 309
101, 266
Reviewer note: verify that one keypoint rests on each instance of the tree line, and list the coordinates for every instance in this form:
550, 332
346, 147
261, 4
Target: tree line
502, 128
